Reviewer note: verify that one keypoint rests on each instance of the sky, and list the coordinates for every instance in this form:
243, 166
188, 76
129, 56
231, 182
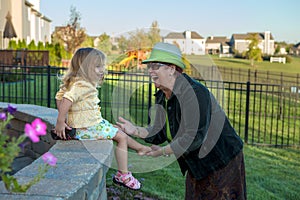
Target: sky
206, 17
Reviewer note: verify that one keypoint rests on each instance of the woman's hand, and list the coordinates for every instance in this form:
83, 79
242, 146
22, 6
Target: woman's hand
160, 151
156, 151
127, 127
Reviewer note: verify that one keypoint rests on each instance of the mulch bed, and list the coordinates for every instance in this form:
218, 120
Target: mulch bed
120, 193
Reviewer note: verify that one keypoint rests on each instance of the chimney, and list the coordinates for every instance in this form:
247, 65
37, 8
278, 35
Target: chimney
267, 35
266, 42
188, 34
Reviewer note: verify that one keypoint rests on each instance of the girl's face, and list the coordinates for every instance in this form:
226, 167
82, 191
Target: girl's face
99, 72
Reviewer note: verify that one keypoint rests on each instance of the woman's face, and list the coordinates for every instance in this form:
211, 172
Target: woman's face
160, 74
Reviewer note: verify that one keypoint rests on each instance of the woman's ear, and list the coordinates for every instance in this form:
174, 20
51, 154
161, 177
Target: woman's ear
173, 69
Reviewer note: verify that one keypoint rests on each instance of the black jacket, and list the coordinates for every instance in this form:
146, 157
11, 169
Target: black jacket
203, 139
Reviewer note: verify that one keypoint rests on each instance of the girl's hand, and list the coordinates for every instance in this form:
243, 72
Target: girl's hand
64, 106
60, 129
126, 126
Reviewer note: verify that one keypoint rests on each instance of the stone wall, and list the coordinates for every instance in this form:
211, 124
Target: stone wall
81, 167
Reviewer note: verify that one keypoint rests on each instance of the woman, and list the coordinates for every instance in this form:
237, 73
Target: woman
206, 146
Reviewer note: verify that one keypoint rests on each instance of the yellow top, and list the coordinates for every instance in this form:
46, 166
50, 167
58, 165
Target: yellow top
85, 111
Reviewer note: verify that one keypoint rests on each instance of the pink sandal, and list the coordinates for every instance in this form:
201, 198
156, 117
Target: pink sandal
127, 180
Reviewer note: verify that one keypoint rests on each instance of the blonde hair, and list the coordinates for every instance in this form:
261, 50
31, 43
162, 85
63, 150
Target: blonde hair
83, 65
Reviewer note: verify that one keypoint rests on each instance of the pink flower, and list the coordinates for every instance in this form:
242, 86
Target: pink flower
3, 116
39, 126
31, 133
49, 158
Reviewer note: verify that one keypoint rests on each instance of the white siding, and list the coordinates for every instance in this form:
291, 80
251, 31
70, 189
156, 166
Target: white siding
189, 46
28, 22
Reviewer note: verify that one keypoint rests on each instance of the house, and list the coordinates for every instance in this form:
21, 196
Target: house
240, 42
225, 47
96, 40
295, 50
216, 45
189, 42
23, 20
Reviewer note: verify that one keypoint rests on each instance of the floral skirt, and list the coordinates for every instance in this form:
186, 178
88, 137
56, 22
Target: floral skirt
102, 131
228, 183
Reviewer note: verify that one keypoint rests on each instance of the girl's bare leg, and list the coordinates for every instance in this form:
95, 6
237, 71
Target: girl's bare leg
121, 151
141, 149
123, 142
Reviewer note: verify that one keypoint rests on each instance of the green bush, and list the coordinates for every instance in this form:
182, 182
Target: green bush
14, 76
239, 55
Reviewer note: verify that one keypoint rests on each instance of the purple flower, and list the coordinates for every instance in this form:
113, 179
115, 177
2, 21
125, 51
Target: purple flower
31, 133
11, 109
22, 146
39, 126
8, 126
3, 116
49, 158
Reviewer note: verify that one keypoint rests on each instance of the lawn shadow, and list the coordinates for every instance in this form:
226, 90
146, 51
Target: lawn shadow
235, 61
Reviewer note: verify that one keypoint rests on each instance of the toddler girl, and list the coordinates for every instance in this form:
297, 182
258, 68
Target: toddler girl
77, 103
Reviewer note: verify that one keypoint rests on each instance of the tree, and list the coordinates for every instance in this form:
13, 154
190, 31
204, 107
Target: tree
277, 49
138, 40
88, 42
56, 53
122, 43
32, 45
12, 44
254, 52
40, 46
21, 44
71, 35
154, 33
104, 43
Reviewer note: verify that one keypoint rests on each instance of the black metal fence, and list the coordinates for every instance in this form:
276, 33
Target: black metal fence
262, 114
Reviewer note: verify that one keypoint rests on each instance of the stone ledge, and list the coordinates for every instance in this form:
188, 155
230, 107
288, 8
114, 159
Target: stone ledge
81, 167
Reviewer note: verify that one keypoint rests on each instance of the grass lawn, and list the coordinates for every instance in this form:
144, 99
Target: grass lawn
293, 67
271, 173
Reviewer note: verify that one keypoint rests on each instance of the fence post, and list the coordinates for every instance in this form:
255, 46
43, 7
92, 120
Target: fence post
24, 97
48, 86
249, 74
247, 111
149, 101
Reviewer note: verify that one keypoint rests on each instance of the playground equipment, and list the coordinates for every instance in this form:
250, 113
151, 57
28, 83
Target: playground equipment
133, 58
